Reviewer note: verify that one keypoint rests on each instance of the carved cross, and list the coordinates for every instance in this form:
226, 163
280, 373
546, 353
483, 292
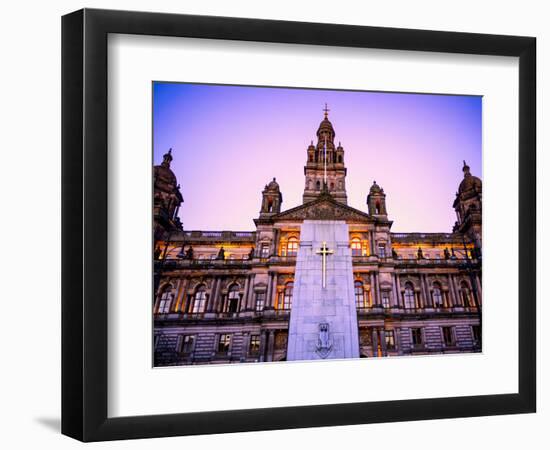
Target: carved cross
324, 251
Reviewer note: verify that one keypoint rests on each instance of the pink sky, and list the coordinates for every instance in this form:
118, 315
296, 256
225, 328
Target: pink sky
229, 141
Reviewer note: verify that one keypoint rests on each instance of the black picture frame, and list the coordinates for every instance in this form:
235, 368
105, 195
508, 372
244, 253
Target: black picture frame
84, 224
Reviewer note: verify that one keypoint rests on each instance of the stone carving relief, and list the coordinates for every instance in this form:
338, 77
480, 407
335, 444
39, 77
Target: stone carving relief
324, 342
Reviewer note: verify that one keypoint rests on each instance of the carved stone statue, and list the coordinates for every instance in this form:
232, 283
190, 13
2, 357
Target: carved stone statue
446, 253
221, 253
189, 253
419, 253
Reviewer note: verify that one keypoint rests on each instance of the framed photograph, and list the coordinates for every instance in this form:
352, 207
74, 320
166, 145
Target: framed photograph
273, 225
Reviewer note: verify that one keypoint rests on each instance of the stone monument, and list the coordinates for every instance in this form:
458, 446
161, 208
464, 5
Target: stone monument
323, 319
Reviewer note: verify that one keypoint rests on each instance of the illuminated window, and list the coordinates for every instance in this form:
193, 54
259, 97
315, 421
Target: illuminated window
224, 343
382, 250
292, 247
166, 299
408, 295
390, 339
199, 302
254, 348
359, 295
264, 251
356, 247
437, 295
287, 296
233, 299
448, 336
260, 301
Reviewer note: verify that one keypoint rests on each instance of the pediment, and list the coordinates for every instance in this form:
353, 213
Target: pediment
324, 208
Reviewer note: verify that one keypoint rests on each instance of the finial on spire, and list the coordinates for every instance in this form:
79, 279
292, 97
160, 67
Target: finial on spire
167, 158
326, 110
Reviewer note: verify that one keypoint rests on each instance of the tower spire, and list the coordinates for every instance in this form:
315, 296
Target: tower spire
326, 110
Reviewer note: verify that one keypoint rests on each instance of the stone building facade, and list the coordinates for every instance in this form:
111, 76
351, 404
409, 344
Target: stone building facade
226, 296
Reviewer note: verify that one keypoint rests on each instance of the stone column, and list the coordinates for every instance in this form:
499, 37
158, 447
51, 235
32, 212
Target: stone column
274, 244
377, 283
175, 299
398, 345
245, 346
383, 342
181, 295
395, 300
428, 303
212, 307
268, 291
270, 345
371, 242
262, 345
452, 294
373, 292
250, 295
398, 287
273, 290
458, 299
375, 341
244, 299
478, 284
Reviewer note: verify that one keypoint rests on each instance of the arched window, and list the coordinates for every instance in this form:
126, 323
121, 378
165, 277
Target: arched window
465, 294
356, 247
377, 207
331, 186
233, 299
292, 247
318, 184
408, 295
437, 295
287, 296
166, 299
360, 295
339, 158
199, 301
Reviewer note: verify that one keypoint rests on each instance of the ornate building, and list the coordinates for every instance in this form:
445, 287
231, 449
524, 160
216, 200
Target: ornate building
226, 296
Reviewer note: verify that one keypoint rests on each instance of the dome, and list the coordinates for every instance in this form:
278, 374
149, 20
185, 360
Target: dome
326, 126
165, 175
470, 182
375, 189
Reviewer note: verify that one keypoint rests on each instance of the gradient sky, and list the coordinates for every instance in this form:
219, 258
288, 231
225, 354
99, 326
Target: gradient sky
229, 141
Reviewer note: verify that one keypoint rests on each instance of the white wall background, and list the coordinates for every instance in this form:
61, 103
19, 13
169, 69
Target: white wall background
30, 193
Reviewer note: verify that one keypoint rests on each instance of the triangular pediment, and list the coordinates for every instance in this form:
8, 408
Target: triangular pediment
323, 208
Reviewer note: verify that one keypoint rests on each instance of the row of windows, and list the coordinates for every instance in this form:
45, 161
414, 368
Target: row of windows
448, 336
231, 303
440, 298
363, 298
186, 343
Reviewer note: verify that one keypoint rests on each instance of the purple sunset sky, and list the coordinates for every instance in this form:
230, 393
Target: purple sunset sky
229, 141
